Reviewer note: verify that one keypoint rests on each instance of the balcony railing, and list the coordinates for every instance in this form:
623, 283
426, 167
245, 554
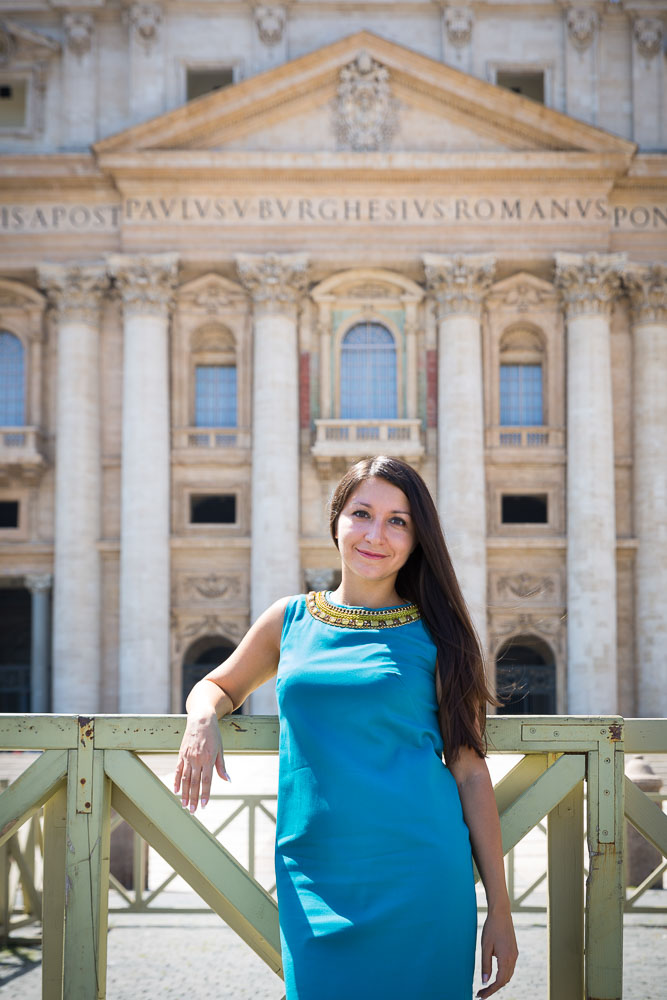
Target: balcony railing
22, 450
354, 438
210, 438
89, 765
525, 437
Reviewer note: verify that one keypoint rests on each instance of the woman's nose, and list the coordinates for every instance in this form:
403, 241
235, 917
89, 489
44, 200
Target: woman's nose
373, 531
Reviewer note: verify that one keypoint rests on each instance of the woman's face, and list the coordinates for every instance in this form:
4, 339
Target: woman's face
375, 531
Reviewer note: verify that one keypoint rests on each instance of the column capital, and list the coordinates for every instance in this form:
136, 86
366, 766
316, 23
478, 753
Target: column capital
38, 582
459, 282
75, 290
146, 281
646, 284
589, 282
275, 280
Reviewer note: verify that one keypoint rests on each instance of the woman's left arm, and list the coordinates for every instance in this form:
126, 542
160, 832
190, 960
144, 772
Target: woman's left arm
481, 815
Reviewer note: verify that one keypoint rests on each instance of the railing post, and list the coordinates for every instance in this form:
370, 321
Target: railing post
86, 869
53, 900
565, 904
604, 886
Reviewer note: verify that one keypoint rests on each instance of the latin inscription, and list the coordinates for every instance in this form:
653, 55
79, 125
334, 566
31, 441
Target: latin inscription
382, 211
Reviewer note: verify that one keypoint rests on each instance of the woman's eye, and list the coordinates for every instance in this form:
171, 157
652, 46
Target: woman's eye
360, 513
399, 521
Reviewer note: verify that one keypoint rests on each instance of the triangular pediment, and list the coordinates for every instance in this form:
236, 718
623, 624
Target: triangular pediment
421, 107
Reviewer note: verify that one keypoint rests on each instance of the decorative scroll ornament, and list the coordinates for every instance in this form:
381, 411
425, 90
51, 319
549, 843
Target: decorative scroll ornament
646, 284
74, 290
458, 24
208, 625
589, 282
525, 624
581, 26
649, 33
365, 111
275, 278
145, 19
214, 587
79, 30
270, 23
146, 283
525, 297
525, 585
459, 283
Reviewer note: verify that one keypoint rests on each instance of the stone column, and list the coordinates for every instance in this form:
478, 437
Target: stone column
459, 284
276, 282
76, 293
588, 284
647, 286
39, 585
146, 284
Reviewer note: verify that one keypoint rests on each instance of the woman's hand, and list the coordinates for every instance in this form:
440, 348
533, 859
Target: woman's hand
200, 751
498, 939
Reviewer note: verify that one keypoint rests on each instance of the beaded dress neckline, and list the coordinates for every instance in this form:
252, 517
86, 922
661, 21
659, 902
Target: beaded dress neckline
333, 614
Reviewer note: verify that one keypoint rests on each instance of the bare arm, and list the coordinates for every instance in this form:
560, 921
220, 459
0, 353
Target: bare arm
254, 661
481, 815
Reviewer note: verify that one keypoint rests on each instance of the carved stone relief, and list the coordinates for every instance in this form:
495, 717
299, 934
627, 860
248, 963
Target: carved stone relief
524, 585
646, 285
208, 625
79, 30
212, 587
144, 20
648, 33
525, 297
581, 26
6, 47
458, 24
589, 282
146, 282
365, 110
270, 23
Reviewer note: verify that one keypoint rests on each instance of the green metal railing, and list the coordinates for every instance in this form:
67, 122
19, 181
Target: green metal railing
89, 766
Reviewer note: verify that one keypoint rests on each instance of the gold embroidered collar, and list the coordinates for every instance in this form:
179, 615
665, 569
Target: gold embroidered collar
333, 614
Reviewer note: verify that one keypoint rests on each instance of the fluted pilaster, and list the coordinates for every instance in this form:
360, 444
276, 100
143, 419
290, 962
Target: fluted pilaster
647, 287
458, 284
75, 292
146, 284
276, 283
589, 284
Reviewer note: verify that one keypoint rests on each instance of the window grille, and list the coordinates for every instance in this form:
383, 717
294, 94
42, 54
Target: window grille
215, 396
12, 381
368, 373
521, 395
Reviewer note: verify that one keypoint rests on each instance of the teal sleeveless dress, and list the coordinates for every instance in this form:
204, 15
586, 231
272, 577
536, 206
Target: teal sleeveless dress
374, 870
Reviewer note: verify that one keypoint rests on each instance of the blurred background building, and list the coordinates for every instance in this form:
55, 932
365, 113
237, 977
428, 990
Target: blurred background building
244, 245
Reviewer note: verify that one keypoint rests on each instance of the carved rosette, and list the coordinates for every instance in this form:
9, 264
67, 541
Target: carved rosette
79, 30
590, 282
144, 20
270, 23
648, 32
581, 26
459, 283
75, 290
274, 280
458, 25
365, 110
146, 283
646, 284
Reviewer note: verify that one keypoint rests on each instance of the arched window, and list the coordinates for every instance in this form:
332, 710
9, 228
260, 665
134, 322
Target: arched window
215, 396
201, 657
526, 677
368, 373
12, 381
521, 378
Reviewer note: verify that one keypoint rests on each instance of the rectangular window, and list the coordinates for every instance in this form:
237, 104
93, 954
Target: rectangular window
213, 509
528, 83
13, 103
521, 396
523, 509
9, 513
215, 396
205, 81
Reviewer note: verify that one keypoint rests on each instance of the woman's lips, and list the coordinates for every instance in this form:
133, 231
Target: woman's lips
370, 555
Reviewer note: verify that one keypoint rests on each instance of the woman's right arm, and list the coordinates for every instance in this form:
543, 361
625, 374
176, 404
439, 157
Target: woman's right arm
254, 661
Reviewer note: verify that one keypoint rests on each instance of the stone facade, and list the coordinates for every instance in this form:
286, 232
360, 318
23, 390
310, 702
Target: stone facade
379, 180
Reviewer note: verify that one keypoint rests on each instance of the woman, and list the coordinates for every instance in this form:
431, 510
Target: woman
375, 835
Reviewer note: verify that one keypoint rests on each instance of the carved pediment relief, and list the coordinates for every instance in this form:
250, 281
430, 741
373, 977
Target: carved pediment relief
523, 293
361, 95
211, 295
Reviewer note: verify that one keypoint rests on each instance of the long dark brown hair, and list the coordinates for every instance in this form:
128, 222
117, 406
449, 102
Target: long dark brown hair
427, 579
